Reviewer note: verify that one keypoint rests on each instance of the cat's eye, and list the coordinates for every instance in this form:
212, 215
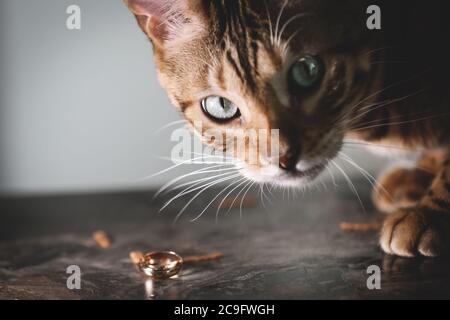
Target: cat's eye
306, 72
220, 109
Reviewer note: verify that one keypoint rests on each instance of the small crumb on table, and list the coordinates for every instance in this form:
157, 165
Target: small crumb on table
209, 257
136, 257
102, 239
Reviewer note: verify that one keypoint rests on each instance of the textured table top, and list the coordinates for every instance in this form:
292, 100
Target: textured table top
290, 249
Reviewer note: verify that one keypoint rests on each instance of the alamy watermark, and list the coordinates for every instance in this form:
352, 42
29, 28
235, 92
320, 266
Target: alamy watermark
73, 21
374, 280
374, 20
74, 280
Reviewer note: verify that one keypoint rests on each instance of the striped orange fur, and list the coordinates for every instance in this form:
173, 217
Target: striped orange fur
388, 86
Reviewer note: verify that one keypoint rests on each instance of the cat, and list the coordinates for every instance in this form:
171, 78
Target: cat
313, 70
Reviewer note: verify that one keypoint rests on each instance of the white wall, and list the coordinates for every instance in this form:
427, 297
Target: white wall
78, 109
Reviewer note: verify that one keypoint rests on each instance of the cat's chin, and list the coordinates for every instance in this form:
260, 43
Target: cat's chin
299, 178
276, 176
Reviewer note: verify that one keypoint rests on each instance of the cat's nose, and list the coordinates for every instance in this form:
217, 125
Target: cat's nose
289, 160
285, 163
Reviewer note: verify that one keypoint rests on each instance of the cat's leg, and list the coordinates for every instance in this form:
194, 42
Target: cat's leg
402, 188
425, 228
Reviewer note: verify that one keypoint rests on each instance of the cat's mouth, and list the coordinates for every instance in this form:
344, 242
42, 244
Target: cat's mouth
310, 173
296, 171
298, 177
275, 175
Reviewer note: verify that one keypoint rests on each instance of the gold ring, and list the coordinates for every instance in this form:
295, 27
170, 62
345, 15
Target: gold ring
161, 265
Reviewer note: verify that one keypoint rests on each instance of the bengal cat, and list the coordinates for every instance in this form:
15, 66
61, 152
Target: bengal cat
313, 70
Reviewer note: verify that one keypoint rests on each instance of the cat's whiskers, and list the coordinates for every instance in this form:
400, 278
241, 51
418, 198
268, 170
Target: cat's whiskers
402, 122
218, 158
243, 198
358, 143
288, 41
270, 187
195, 172
350, 183
166, 188
370, 178
323, 184
378, 49
177, 165
180, 213
370, 107
265, 185
393, 117
378, 92
280, 15
222, 158
270, 23
219, 207
289, 21
262, 195
333, 179
226, 170
216, 197
366, 110
237, 196
344, 116
192, 184
224, 164
350, 142
226, 174
191, 189
388, 62
200, 161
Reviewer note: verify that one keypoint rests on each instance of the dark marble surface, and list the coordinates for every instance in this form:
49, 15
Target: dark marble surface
292, 249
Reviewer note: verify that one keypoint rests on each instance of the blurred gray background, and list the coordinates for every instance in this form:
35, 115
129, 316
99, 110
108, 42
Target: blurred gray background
79, 108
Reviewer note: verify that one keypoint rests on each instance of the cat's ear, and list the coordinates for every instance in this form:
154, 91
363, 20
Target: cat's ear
160, 19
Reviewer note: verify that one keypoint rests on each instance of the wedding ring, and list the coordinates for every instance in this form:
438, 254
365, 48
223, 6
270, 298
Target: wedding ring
161, 265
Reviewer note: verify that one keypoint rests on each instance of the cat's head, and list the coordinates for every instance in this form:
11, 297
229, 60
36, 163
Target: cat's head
297, 66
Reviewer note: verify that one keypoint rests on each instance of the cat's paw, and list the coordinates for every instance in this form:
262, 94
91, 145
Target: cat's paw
400, 188
415, 232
